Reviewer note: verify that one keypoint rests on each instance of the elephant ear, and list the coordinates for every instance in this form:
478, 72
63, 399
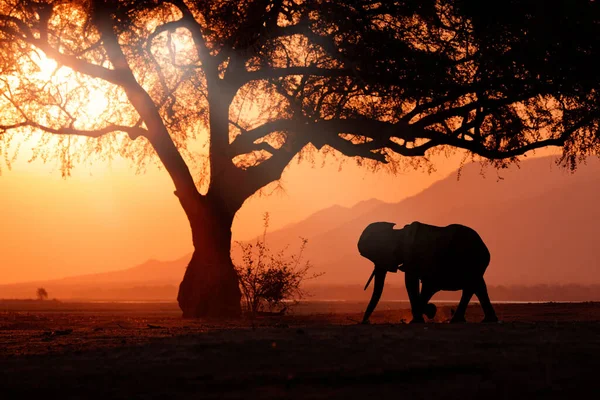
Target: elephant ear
375, 238
409, 242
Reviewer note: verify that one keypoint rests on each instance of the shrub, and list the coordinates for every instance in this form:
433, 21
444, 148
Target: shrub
42, 294
271, 281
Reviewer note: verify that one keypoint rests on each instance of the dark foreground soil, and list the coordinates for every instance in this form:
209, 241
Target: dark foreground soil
549, 351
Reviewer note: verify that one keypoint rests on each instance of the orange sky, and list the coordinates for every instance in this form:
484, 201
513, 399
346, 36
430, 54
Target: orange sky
106, 217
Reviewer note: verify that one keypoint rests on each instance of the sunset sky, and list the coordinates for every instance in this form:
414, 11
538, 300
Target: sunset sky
107, 217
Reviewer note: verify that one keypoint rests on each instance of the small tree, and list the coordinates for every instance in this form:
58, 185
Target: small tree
269, 279
42, 294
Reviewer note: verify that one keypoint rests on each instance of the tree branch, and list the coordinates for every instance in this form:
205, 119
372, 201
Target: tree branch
161, 76
77, 64
270, 170
25, 30
365, 150
244, 142
326, 133
273, 73
195, 29
491, 104
266, 147
158, 134
477, 148
132, 131
323, 132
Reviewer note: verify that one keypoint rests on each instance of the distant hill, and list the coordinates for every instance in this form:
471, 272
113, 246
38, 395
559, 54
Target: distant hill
328, 217
151, 280
313, 226
149, 272
540, 222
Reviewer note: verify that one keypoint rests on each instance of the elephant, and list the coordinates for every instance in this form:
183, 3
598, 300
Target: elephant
452, 257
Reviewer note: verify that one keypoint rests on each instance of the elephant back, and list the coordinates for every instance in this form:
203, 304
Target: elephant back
433, 250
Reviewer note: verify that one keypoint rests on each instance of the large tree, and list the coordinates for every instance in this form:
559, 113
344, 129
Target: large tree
263, 81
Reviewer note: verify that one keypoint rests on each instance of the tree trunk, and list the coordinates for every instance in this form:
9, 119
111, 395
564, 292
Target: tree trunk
210, 285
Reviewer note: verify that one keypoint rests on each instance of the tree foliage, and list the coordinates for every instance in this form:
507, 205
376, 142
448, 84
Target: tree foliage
262, 80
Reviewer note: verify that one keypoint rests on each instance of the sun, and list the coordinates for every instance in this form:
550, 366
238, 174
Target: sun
65, 98
43, 91
84, 97
47, 66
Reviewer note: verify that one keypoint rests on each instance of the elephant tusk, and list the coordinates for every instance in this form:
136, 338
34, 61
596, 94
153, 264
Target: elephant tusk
370, 279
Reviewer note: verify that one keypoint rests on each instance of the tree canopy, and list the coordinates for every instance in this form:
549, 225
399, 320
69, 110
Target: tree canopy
376, 80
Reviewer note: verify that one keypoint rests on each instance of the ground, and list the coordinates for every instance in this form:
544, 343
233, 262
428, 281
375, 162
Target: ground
112, 351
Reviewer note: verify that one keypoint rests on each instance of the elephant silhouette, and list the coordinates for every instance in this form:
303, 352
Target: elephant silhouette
452, 257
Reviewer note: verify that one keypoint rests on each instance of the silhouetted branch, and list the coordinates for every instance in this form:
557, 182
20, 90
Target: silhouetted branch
244, 143
169, 26
195, 29
77, 64
132, 131
273, 73
158, 134
270, 170
326, 133
478, 148
266, 147
367, 150
23, 30
490, 104
300, 28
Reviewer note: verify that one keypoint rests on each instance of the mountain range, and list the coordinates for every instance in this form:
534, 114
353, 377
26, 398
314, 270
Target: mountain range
540, 222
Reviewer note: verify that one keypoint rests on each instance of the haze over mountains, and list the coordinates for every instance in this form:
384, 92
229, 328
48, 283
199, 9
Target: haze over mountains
540, 223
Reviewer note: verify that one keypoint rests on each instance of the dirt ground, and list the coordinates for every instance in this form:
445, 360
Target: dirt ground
117, 351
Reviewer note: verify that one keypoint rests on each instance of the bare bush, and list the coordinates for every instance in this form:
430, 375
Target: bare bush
271, 282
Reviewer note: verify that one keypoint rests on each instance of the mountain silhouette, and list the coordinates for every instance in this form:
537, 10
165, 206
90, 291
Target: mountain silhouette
151, 280
540, 223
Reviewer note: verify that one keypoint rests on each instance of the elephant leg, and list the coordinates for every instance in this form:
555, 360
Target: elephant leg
427, 293
459, 315
486, 305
